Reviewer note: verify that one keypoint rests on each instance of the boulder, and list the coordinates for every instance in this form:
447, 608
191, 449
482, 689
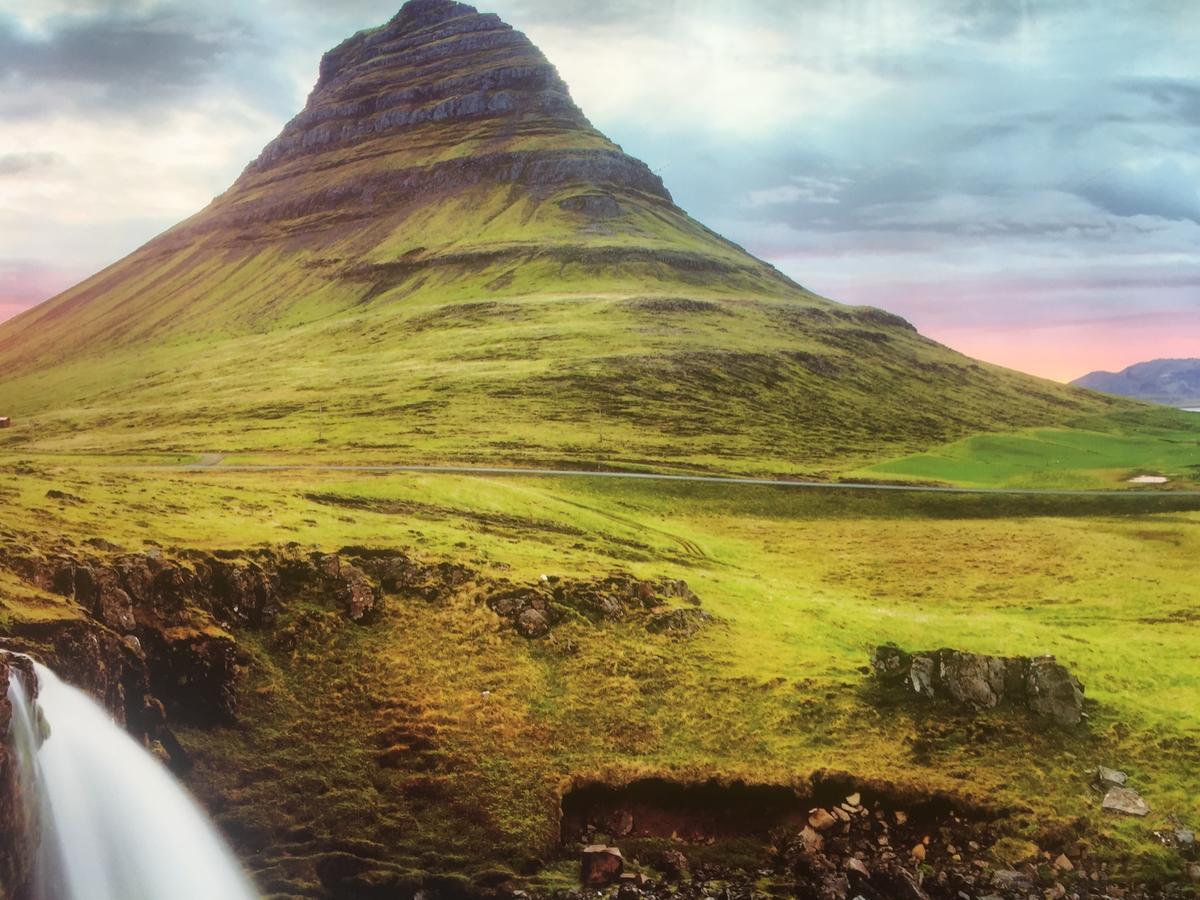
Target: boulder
680, 590
1053, 692
682, 622
1107, 777
98, 590
245, 593
922, 675
115, 610
355, 592
600, 866
1042, 685
821, 820
973, 678
1125, 800
360, 599
810, 841
674, 865
890, 662
533, 623
330, 565
619, 823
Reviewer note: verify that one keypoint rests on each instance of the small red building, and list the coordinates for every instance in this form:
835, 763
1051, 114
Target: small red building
5, 422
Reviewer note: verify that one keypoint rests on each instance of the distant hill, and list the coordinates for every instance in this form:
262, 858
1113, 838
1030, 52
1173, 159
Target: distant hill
440, 258
1173, 382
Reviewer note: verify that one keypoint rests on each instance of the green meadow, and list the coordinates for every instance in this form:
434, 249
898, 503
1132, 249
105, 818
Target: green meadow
1100, 453
803, 584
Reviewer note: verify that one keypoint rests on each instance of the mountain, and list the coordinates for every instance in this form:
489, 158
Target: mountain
1173, 382
440, 258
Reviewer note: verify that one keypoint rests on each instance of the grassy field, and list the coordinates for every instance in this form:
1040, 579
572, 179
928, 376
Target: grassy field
477, 319
1096, 453
804, 584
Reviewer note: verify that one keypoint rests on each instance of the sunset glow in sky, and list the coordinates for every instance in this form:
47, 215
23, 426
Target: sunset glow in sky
1021, 180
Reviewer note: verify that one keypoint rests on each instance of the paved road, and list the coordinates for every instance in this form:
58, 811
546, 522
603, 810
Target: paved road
207, 465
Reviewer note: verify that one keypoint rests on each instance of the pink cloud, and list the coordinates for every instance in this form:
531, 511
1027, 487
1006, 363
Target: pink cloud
1064, 352
8, 310
1059, 325
24, 285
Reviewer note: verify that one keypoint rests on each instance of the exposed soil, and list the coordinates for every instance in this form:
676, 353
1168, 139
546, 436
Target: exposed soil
834, 838
696, 813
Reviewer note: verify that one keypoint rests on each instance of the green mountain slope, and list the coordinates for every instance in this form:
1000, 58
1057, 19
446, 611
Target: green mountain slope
441, 259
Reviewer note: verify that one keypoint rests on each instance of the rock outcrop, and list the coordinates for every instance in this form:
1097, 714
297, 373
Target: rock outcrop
535, 609
164, 624
600, 866
435, 91
16, 858
1041, 685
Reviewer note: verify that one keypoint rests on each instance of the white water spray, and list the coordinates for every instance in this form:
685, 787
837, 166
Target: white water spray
113, 824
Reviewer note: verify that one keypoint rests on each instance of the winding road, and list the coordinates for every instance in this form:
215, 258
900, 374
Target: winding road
210, 462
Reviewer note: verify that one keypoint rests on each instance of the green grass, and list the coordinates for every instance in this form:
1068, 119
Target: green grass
805, 583
1098, 454
484, 324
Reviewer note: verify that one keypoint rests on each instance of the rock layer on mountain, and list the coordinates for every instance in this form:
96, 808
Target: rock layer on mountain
440, 257
1172, 382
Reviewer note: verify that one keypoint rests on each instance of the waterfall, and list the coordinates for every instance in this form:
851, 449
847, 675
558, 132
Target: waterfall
113, 824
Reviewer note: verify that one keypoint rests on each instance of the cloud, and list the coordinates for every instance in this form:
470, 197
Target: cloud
801, 189
120, 59
966, 162
1166, 189
26, 282
23, 163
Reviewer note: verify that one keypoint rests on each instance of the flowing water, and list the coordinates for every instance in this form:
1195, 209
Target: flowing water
113, 823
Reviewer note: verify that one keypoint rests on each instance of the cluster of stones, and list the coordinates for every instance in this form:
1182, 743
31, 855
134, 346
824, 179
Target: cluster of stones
1041, 685
535, 609
1119, 796
865, 848
849, 850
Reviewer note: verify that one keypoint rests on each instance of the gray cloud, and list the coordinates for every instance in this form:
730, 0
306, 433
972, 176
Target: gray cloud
21, 163
989, 137
1163, 190
119, 59
1177, 100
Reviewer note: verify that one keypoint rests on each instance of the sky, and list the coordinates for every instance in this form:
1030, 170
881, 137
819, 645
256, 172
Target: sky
1018, 178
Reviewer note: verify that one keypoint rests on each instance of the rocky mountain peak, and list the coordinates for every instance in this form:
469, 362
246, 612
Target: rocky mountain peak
439, 103
436, 63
